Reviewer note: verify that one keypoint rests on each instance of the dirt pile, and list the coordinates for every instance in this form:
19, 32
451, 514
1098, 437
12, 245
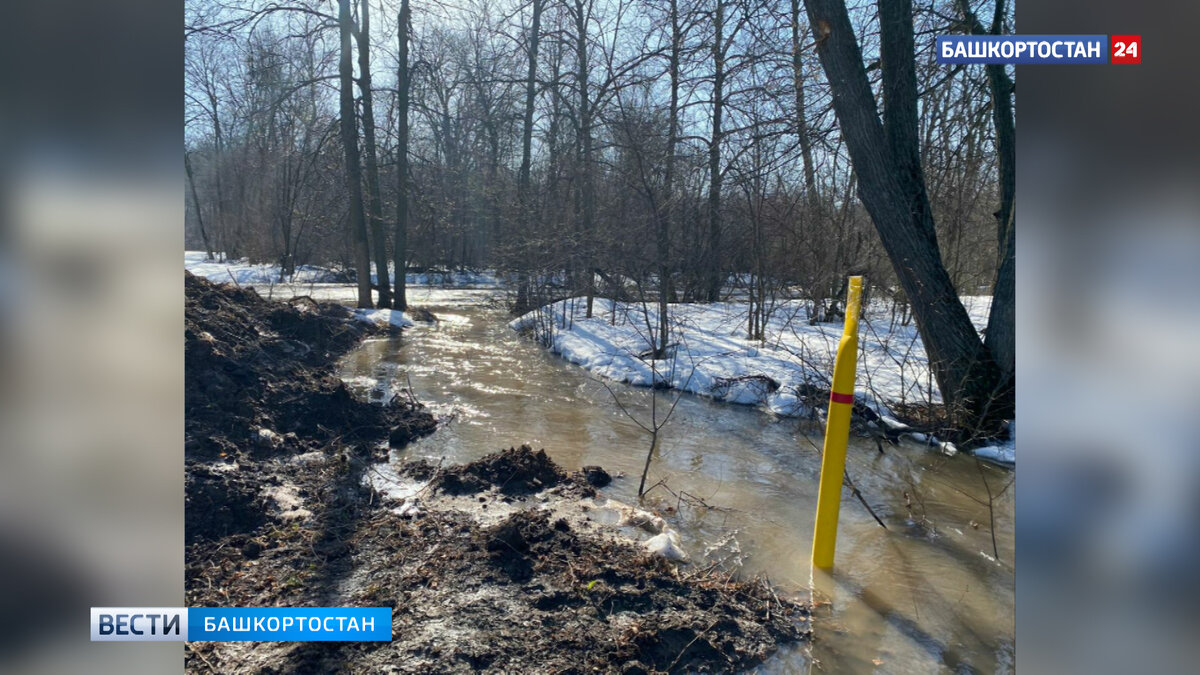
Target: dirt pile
252, 364
534, 592
260, 387
516, 471
523, 538
495, 580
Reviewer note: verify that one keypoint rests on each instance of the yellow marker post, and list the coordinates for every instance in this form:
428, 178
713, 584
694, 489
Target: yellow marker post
837, 433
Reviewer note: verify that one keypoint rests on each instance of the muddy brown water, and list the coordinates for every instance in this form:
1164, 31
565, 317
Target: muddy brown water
927, 595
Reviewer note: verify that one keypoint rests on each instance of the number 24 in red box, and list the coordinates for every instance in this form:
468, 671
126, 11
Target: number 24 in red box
1126, 49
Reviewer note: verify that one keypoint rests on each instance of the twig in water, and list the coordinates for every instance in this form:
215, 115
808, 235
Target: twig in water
991, 508
861, 499
846, 479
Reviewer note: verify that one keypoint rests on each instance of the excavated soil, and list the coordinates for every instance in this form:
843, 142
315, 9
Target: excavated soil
260, 390
493, 566
513, 472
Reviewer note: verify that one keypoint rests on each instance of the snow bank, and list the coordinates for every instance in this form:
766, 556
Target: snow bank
243, 272
1005, 453
1002, 453
383, 317
711, 356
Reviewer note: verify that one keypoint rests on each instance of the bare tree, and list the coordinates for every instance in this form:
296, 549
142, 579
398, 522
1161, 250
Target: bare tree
375, 201
1001, 328
667, 210
802, 130
203, 71
524, 181
715, 170
654, 425
887, 160
584, 189
187, 165
403, 88
349, 127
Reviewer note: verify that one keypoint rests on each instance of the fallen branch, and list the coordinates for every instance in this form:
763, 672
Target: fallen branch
854, 490
861, 499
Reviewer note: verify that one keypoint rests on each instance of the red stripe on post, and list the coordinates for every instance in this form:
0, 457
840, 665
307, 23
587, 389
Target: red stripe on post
835, 397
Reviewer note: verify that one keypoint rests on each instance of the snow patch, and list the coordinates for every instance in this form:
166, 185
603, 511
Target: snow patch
667, 546
285, 503
383, 317
1004, 454
710, 355
241, 271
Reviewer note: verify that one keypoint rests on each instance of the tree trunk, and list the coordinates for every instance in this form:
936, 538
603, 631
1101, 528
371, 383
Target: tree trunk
900, 120
524, 201
400, 237
668, 209
886, 160
187, 164
221, 229
1001, 328
375, 201
583, 194
802, 132
713, 290
349, 129
523, 177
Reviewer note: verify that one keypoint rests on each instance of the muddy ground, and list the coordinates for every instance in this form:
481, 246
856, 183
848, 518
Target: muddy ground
500, 565
260, 392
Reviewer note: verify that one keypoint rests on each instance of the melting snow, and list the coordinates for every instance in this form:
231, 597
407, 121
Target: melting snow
711, 356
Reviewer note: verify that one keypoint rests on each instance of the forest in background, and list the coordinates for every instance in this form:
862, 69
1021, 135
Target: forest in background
684, 149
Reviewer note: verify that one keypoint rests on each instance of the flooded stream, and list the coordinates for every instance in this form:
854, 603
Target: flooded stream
927, 595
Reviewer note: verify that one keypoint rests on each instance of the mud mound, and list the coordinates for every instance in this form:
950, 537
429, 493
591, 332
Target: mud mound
514, 471
254, 365
524, 537
596, 476
420, 314
541, 590
220, 503
534, 594
260, 385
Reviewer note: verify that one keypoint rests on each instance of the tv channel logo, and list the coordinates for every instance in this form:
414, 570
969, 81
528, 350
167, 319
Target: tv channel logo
240, 624
139, 624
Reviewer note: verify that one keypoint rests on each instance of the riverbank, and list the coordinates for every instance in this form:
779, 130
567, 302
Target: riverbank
243, 272
786, 373
494, 565
260, 392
